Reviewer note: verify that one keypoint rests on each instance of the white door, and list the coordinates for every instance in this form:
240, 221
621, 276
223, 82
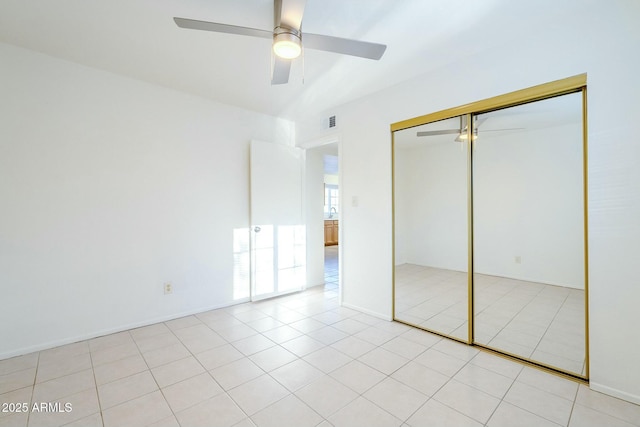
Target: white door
278, 231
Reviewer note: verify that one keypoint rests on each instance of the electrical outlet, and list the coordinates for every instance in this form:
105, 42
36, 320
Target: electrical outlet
168, 288
518, 259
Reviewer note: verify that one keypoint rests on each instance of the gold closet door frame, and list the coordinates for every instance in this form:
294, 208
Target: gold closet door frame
552, 89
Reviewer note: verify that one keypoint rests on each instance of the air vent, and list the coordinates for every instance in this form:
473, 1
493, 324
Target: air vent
329, 122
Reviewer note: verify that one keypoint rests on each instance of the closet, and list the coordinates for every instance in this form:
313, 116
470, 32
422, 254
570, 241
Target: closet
490, 224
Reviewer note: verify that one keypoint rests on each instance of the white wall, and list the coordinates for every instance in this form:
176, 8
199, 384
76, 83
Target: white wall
528, 203
314, 196
431, 205
331, 179
597, 38
111, 187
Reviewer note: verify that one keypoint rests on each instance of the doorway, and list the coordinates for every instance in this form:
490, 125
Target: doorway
331, 214
323, 215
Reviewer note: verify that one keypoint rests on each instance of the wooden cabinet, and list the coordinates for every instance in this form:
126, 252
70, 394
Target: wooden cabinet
330, 232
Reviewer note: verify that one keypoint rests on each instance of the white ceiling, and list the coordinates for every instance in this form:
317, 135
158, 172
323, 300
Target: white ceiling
138, 38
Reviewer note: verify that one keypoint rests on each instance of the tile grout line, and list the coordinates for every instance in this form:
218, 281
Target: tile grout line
185, 379
153, 376
573, 405
447, 382
33, 389
95, 382
387, 376
550, 323
224, 391
513, 317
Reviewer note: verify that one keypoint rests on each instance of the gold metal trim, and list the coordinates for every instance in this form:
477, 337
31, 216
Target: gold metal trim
431, 331
538, 365
585, 158
393, 226
470, 300
535, 93
552, 89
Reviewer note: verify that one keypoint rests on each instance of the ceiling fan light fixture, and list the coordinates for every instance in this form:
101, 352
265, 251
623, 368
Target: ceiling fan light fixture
287, 45
463, 135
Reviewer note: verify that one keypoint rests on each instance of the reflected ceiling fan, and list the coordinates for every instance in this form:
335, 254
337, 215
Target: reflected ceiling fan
461, 132
288, 38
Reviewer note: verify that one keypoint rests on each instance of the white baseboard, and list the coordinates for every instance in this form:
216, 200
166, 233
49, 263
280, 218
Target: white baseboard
615, 392
367, 311
70, 340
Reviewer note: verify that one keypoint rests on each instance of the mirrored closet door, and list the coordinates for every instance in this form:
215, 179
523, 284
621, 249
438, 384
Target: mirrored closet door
528, 232
431, 227
490, 224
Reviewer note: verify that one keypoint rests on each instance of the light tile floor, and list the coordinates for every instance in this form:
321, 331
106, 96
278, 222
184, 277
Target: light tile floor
299, 360
533, 320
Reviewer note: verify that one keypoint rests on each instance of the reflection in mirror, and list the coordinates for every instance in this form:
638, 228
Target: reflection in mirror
430, 227
528, 208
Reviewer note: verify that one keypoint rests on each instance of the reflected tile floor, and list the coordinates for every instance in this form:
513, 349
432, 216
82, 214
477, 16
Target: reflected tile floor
532, 320
298, 360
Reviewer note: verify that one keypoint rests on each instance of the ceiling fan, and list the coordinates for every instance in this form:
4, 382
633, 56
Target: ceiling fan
288, 38
461, 132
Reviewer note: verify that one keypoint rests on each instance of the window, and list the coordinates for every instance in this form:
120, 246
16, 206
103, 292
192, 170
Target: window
331, 206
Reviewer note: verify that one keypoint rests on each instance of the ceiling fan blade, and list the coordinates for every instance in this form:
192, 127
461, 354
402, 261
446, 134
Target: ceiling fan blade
289, 13
344, 46
438, 132
193, 24
281, 68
